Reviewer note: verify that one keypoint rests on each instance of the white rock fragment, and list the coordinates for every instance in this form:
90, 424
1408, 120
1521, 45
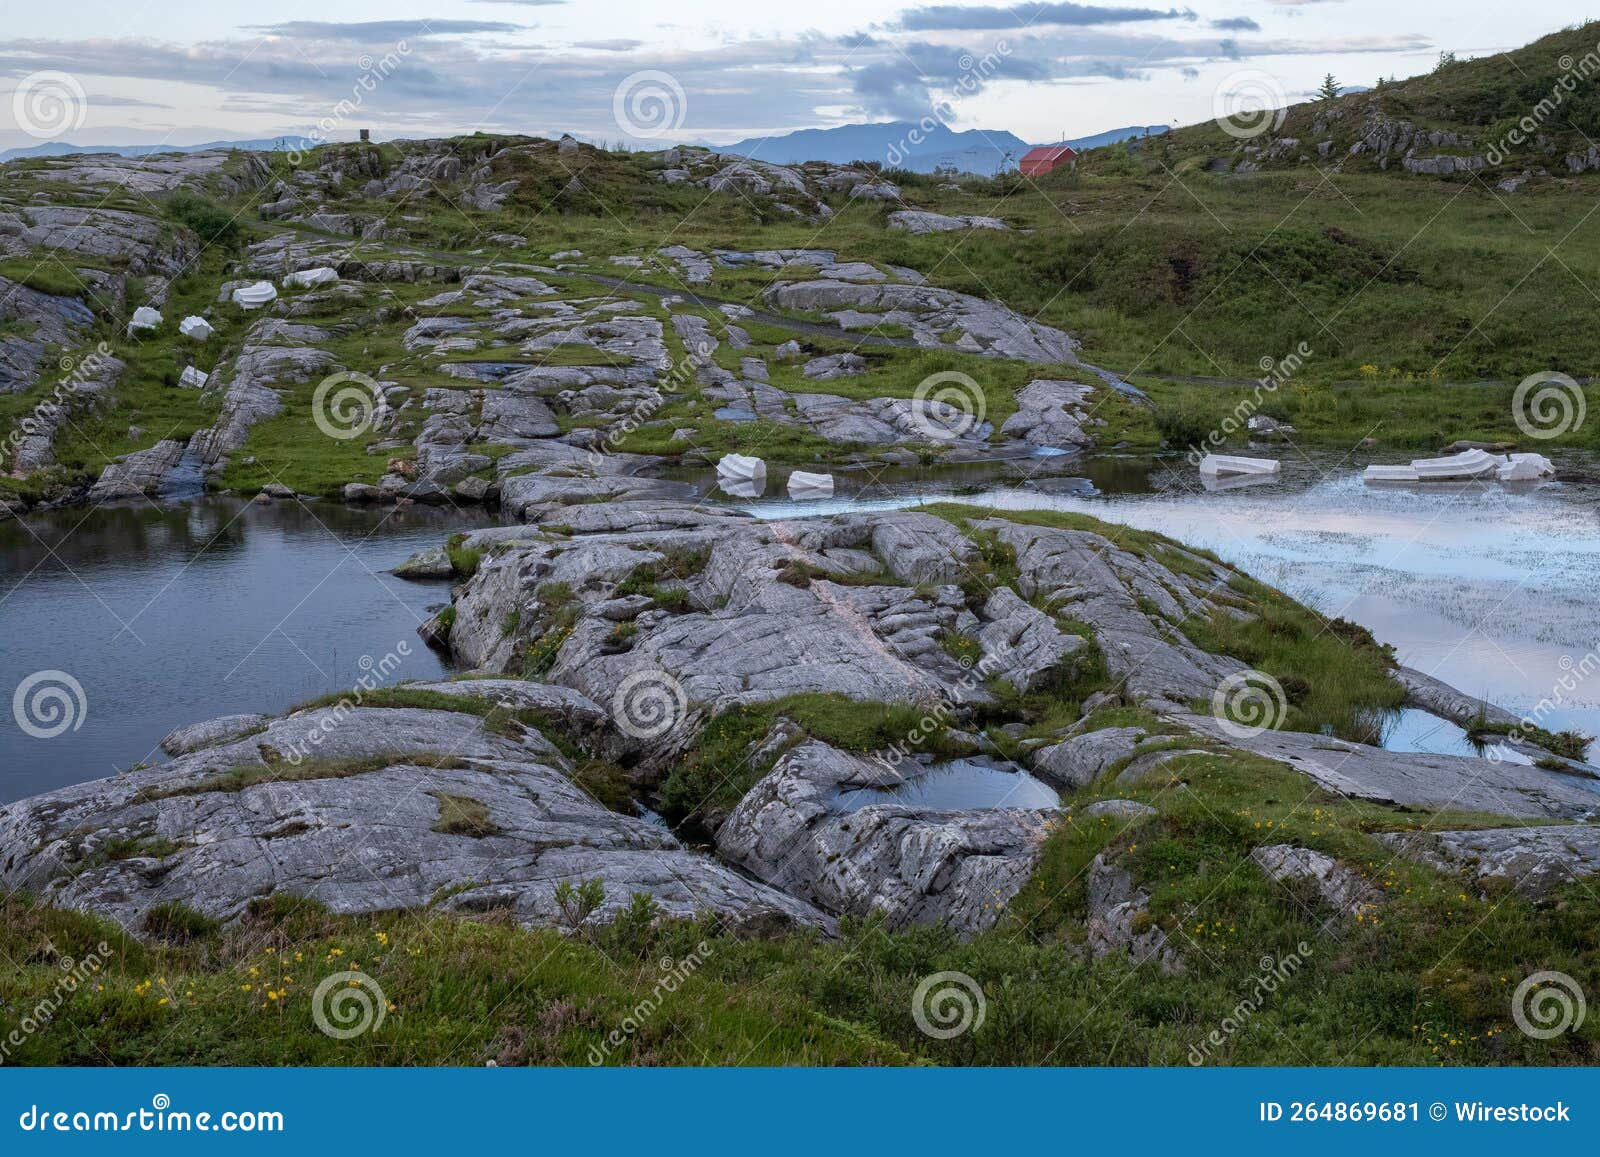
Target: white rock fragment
144, 319
1525, 468
255, 296
1215, 465
195, 328
742, 476
804, 487
1467, 464
307, 278
193, 378
1390, 474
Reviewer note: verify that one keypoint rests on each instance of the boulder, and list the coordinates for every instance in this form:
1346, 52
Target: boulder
346, 805
919, 222
144, 320
910, 865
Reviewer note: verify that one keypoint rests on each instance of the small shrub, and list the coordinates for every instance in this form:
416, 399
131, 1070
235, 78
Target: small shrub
179, 924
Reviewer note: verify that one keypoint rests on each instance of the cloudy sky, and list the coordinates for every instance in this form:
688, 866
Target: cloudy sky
185, 71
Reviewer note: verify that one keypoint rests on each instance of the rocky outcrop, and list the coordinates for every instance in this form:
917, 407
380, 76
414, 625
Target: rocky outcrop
132, 242
1082, 759
909, 865
1120, 922
919, 222
1053, 413
91, 384
1084, 576
765, 613
30, 321
139, 473
937, 317
1337, 886
1459, 782
1439, 698
235, 172
271, 815
1532, 860
274, 354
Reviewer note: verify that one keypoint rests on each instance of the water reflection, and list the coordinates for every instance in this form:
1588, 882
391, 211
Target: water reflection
957, 785
173, 614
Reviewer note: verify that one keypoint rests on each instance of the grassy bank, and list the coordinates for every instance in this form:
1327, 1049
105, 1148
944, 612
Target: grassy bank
1425, 977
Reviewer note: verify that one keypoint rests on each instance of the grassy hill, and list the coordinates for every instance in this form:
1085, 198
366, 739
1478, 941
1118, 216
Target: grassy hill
1195, 255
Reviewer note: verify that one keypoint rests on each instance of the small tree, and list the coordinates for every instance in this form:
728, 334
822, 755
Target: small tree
1328, 89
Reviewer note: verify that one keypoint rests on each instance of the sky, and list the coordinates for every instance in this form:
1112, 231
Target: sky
188, 71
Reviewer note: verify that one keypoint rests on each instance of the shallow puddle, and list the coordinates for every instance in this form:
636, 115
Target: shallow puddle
957, 785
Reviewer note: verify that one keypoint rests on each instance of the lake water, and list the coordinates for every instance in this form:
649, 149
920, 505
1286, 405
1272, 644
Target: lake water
1493, 588
173, 614
170, 615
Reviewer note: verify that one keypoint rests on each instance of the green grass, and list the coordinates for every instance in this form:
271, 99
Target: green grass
1334, 674
1420, 414
1423, 978
280, 770
461, 815
49, 273
717, 772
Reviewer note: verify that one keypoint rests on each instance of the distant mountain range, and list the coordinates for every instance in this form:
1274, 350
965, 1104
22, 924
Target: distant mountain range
62, 148
906, 145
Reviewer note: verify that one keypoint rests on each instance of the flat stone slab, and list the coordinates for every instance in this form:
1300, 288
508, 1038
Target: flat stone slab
1534, 860
1457, 782
366, 838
